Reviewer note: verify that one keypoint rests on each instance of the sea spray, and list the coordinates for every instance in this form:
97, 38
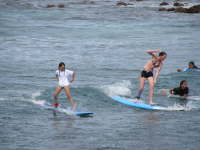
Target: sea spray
122, 88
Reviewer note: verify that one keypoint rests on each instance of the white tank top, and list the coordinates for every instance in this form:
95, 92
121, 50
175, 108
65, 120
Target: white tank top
64, 77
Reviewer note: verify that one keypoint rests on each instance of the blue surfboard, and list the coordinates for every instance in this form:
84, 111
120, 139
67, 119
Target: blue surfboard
135, 104
48, 106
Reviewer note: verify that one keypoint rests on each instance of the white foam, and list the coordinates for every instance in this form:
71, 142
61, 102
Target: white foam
38, 102
177, 107
118, 89
68, 111
197, 98
15, 99
3, 99
36, 94
44, 104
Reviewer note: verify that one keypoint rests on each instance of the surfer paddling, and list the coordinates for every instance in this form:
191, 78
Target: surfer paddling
147, 73
191, 68
181, 91
64, 78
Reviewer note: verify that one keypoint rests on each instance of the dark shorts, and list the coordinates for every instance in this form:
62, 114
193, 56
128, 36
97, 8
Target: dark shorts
146, 74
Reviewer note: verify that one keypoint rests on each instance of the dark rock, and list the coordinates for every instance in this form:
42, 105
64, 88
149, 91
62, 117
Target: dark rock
162, 9
194, 9
50, 6
181, 10
164, 4
171, 9
61, 6
178, 4
167, 9
123, 4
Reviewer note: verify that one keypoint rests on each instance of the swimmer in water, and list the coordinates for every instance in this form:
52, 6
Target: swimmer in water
64, 78
147, 73
191, 67
181, 91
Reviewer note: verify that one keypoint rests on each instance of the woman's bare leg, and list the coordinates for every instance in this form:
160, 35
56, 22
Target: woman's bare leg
56, 93
151, 89
69, 97
142, 81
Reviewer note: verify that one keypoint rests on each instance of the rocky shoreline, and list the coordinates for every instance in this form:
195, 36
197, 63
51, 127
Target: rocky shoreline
179, 8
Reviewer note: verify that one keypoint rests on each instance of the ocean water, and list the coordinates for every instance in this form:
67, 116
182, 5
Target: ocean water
105, 45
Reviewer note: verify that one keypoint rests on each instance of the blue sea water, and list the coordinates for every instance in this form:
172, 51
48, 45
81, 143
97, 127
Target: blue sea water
105, 45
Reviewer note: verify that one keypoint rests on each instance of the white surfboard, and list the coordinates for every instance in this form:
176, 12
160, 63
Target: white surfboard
48, 106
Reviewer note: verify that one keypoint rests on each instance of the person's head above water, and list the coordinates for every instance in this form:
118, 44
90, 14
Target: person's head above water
61, 66
191, 64
183, 84
162, 55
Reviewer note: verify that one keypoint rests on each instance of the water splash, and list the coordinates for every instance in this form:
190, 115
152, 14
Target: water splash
122, 88
39, 102
46, 105
177, 107
36, 94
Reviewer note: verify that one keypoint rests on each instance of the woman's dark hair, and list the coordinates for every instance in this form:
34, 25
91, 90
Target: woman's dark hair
162, 54
60, 65
181, 83
192, 63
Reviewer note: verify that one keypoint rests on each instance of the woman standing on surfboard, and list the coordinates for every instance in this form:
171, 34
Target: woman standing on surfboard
64, 78
147, 73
